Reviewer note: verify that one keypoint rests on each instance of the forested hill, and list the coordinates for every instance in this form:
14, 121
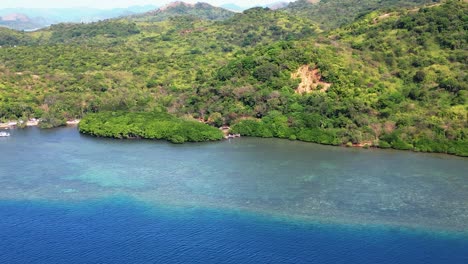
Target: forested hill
10, 37
334, 13
393, 78
198, 10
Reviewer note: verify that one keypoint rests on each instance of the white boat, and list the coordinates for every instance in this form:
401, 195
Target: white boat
4, 134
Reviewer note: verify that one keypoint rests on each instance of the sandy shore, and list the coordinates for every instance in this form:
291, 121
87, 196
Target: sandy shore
33, 122
73, 122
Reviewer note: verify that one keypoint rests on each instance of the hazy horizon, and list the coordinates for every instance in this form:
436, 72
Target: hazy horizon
108, 4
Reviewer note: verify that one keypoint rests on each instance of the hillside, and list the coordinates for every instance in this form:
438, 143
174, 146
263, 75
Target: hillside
20, 21
398, 80
10, 37
390, 79
199, 10
334, 13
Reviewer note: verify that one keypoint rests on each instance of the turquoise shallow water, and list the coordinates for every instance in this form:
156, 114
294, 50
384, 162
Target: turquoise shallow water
240, 201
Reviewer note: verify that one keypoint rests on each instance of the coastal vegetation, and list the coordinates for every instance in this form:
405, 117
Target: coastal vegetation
393, 75
153, 125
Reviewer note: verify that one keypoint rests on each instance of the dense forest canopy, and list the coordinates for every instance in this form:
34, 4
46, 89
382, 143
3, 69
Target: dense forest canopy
149, 125
393, 77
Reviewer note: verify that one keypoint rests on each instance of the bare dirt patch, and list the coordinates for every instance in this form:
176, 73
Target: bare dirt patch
311, 80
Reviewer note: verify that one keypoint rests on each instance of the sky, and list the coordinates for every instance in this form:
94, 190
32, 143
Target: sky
116, 3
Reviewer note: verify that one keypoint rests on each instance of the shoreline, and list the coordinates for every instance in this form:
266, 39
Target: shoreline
33, 122
229, 136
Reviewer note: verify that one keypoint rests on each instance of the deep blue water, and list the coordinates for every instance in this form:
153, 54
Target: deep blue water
122, 231
68, 198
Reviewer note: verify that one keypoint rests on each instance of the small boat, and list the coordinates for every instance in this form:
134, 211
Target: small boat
232, 136
4, 134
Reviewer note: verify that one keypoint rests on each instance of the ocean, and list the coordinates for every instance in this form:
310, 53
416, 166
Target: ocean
69, 198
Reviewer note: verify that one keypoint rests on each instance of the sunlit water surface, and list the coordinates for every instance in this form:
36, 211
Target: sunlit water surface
65, 196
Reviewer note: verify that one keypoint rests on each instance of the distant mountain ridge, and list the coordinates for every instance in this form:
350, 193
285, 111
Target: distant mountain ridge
36, 18
33, 18
200, 10
16, 17
233, 7
277, 5
20, 21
